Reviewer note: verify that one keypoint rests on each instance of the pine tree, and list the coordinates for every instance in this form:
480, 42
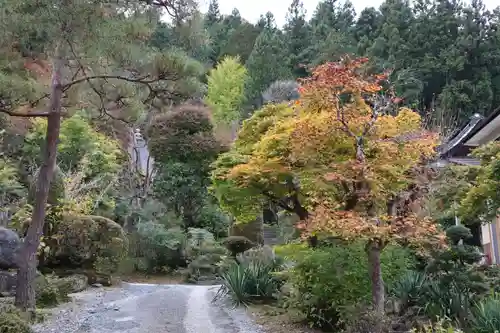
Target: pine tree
96, 53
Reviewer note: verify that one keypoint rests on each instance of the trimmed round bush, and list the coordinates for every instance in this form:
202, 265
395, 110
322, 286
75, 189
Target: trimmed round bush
184, 134
281, 91
237, 244
88, 242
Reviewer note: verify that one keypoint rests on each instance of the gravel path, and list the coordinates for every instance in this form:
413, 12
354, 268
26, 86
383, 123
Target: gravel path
148, 308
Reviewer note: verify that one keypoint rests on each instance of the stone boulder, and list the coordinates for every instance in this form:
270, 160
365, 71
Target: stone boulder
7, 283
73, 283
9, 245
254, 231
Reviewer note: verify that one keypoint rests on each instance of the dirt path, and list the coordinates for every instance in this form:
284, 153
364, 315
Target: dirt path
148, 308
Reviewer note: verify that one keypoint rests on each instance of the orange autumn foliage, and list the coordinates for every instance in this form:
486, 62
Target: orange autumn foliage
345, 150
354, 141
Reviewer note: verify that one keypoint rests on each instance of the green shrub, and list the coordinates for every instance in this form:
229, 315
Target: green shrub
157, 248
486, 315
214, 220
454, 281
409, 290
50, 291
11, 321
205, 265
369, 322
254, 231
329, 283
200, 237
262, 254
48, 296
237, 244
249, 282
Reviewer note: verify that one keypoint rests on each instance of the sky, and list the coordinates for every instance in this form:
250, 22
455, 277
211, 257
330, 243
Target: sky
252, 9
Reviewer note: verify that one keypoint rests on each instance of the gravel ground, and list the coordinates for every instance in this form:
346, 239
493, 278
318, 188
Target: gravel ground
148, 308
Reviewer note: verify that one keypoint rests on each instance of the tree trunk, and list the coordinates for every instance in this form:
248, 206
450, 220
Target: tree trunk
27, 259
374, 249
303, 215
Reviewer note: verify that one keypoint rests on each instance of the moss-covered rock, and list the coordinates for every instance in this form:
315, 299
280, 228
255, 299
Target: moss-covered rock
73, 283
88, 242
254, 231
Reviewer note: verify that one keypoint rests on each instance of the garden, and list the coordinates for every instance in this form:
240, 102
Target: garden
139, 150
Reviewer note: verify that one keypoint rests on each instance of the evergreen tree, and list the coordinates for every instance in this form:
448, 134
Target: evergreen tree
297, 35
213, 15
267, 62
240, 41
366, 28
189, 36
332, 32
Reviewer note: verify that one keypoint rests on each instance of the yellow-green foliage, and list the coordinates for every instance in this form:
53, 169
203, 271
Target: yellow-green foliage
244, 202
10, 187
12, 321
77, 140
226, 85
482, 198
449, 189
292, 251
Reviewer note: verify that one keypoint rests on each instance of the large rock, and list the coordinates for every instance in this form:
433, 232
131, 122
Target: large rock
9, 245
73, 283
7, 283
254, 230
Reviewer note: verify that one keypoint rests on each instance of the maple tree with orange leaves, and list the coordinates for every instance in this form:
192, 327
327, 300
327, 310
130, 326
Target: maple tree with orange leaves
346, 154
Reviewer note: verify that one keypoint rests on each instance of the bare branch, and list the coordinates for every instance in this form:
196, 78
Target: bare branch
141, 80
278, 201
31, 114
341, 118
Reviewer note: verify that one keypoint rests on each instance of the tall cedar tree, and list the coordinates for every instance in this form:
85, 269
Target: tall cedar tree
95, 52
213, 15
297, 35
268, 60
